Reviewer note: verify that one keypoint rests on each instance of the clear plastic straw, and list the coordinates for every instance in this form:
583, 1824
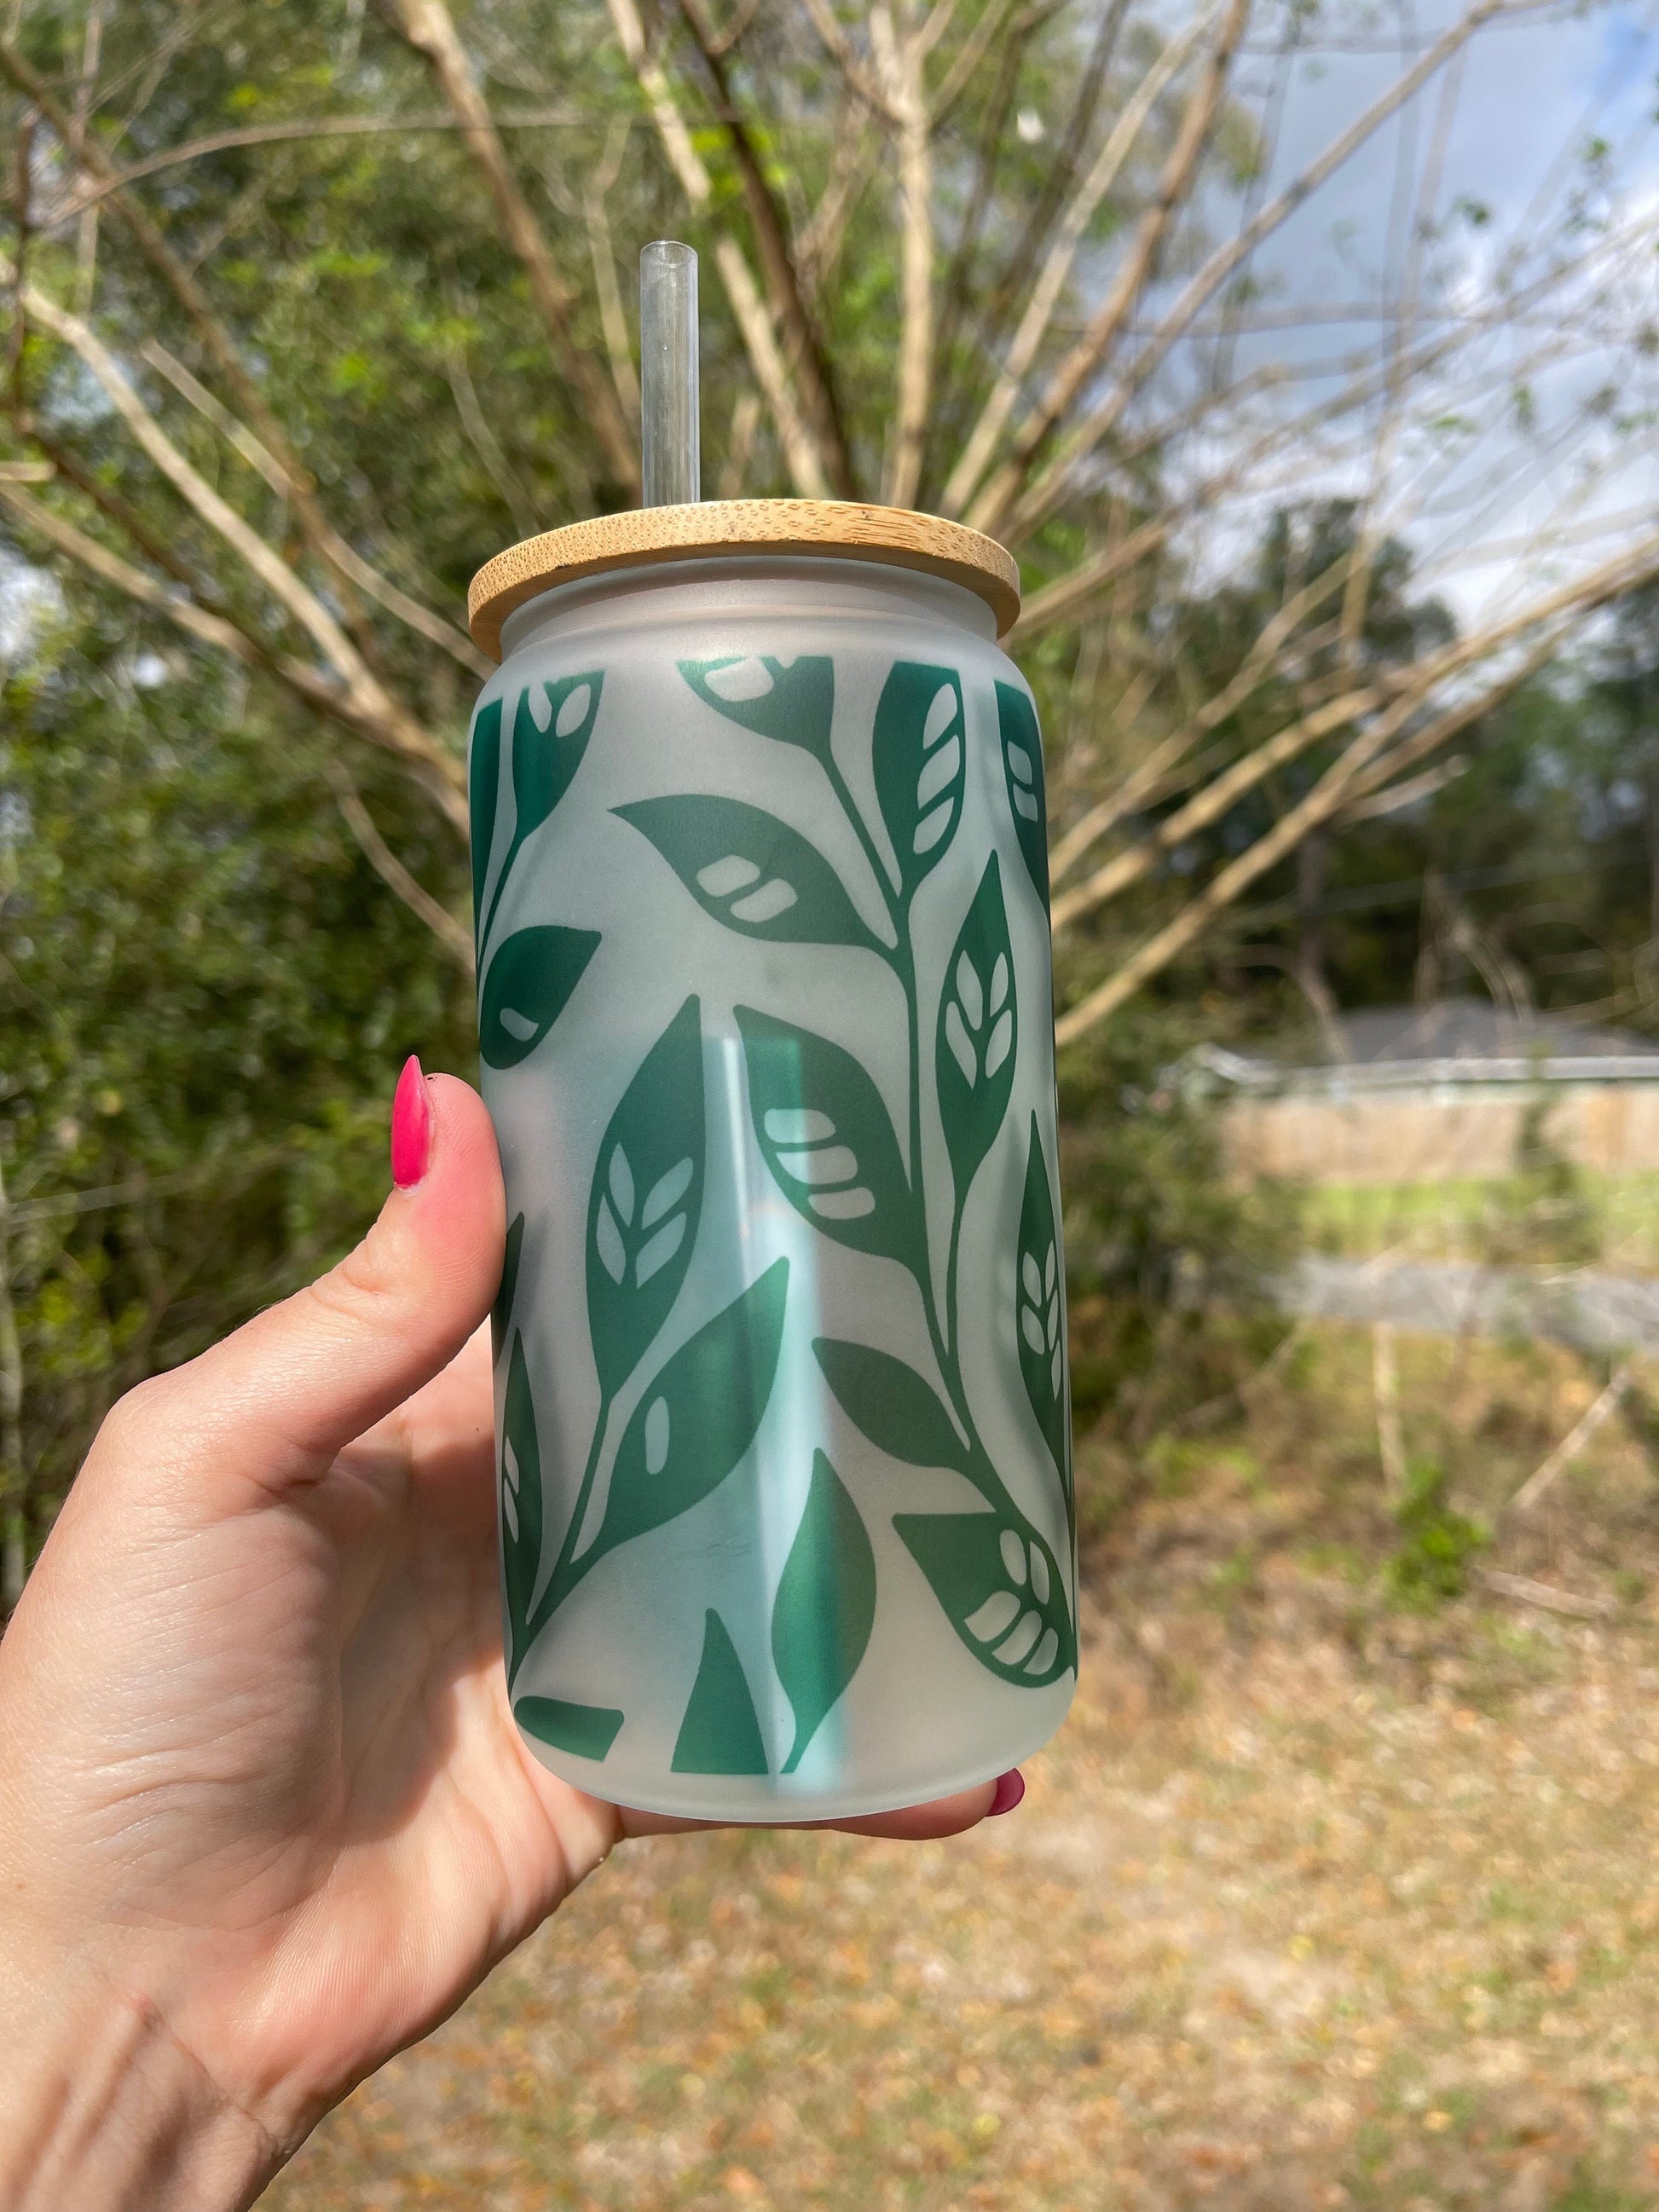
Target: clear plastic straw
671, 460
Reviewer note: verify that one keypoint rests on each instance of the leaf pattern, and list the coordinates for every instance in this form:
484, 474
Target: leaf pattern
1040, 1305
792, 700
483, 788
697, 1417
751, 872
919, 755
890, 1404
826, 1606
646, 1201
526, 988
501, 1312
827, 1138
589, 1731
978, 1036
1022, 769
720, 1733
521, 1495
1000, 1589
545, 755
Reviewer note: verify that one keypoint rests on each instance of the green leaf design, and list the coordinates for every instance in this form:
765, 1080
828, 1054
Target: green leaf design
1001, 1591
484, 784
791, 700
827, 1138
521, 1490
501, 1312
1041, 1312
589, 1731
720, 1733
751, 872
526, 988
1021, 768
825, 1607
698, 1416
545, 759
646, 1201
890, 1404
978, 1035
920, 753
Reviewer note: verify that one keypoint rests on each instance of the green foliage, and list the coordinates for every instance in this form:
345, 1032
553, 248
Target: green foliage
1436, 1541
1167, 1255
205, 994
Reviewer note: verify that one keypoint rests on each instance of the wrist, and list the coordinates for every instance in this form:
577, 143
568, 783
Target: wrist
101, 2107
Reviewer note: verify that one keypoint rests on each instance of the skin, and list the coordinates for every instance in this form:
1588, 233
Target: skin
264, 1816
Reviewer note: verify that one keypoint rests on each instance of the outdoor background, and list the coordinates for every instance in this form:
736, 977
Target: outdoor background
1306, 353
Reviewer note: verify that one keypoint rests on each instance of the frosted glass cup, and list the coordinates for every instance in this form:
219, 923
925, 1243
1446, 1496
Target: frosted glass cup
784, 1453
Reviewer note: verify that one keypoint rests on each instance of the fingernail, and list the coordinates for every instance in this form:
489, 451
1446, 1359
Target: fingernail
411, 1127
1011, 1788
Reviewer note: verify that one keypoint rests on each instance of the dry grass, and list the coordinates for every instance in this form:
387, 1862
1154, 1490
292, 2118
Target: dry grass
1314, 1903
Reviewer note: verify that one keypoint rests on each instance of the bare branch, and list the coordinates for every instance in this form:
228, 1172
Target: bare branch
901, 67
241, 440
745, 421
1105, 327
310, 688
299, 129
1406, 690
1331, 793
818, 246
1390, 1440
1055, 601
63, 461
456, 940
219, 345
1056, 271
1137, 789
1356, 596
421, 619
1023, 509
840, 48
613, 319
429, 28
1548, 1472
992, 140
972, 53
805, 340
86, 244
396, 729
487, 446
800, 449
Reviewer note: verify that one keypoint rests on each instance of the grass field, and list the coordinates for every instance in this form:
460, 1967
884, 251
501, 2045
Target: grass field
1600, 1220
1321, 1898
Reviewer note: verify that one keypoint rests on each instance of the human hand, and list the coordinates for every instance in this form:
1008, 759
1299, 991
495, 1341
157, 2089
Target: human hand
265, 1815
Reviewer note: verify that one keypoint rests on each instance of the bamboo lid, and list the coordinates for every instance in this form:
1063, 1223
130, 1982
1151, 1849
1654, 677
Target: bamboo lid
641, 536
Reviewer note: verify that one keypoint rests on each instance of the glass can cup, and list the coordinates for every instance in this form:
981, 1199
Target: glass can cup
782, 1407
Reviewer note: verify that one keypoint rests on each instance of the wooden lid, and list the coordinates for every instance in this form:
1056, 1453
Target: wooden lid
643, 535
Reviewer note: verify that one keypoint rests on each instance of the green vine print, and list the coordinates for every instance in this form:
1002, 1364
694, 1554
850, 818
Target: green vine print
526, 983
829, 1142
698, 1414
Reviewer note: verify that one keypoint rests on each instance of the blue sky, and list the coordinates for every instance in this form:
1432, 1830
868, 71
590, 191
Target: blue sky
1495, 445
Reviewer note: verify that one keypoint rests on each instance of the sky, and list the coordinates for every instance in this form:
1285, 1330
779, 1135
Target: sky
1473, 475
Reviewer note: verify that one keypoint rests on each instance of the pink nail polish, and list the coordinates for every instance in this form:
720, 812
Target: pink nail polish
411, 1127
1011, 1788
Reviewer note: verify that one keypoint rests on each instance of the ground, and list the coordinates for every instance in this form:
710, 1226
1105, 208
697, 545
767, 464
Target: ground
1322, 1897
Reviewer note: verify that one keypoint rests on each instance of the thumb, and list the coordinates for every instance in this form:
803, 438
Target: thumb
271, 1405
